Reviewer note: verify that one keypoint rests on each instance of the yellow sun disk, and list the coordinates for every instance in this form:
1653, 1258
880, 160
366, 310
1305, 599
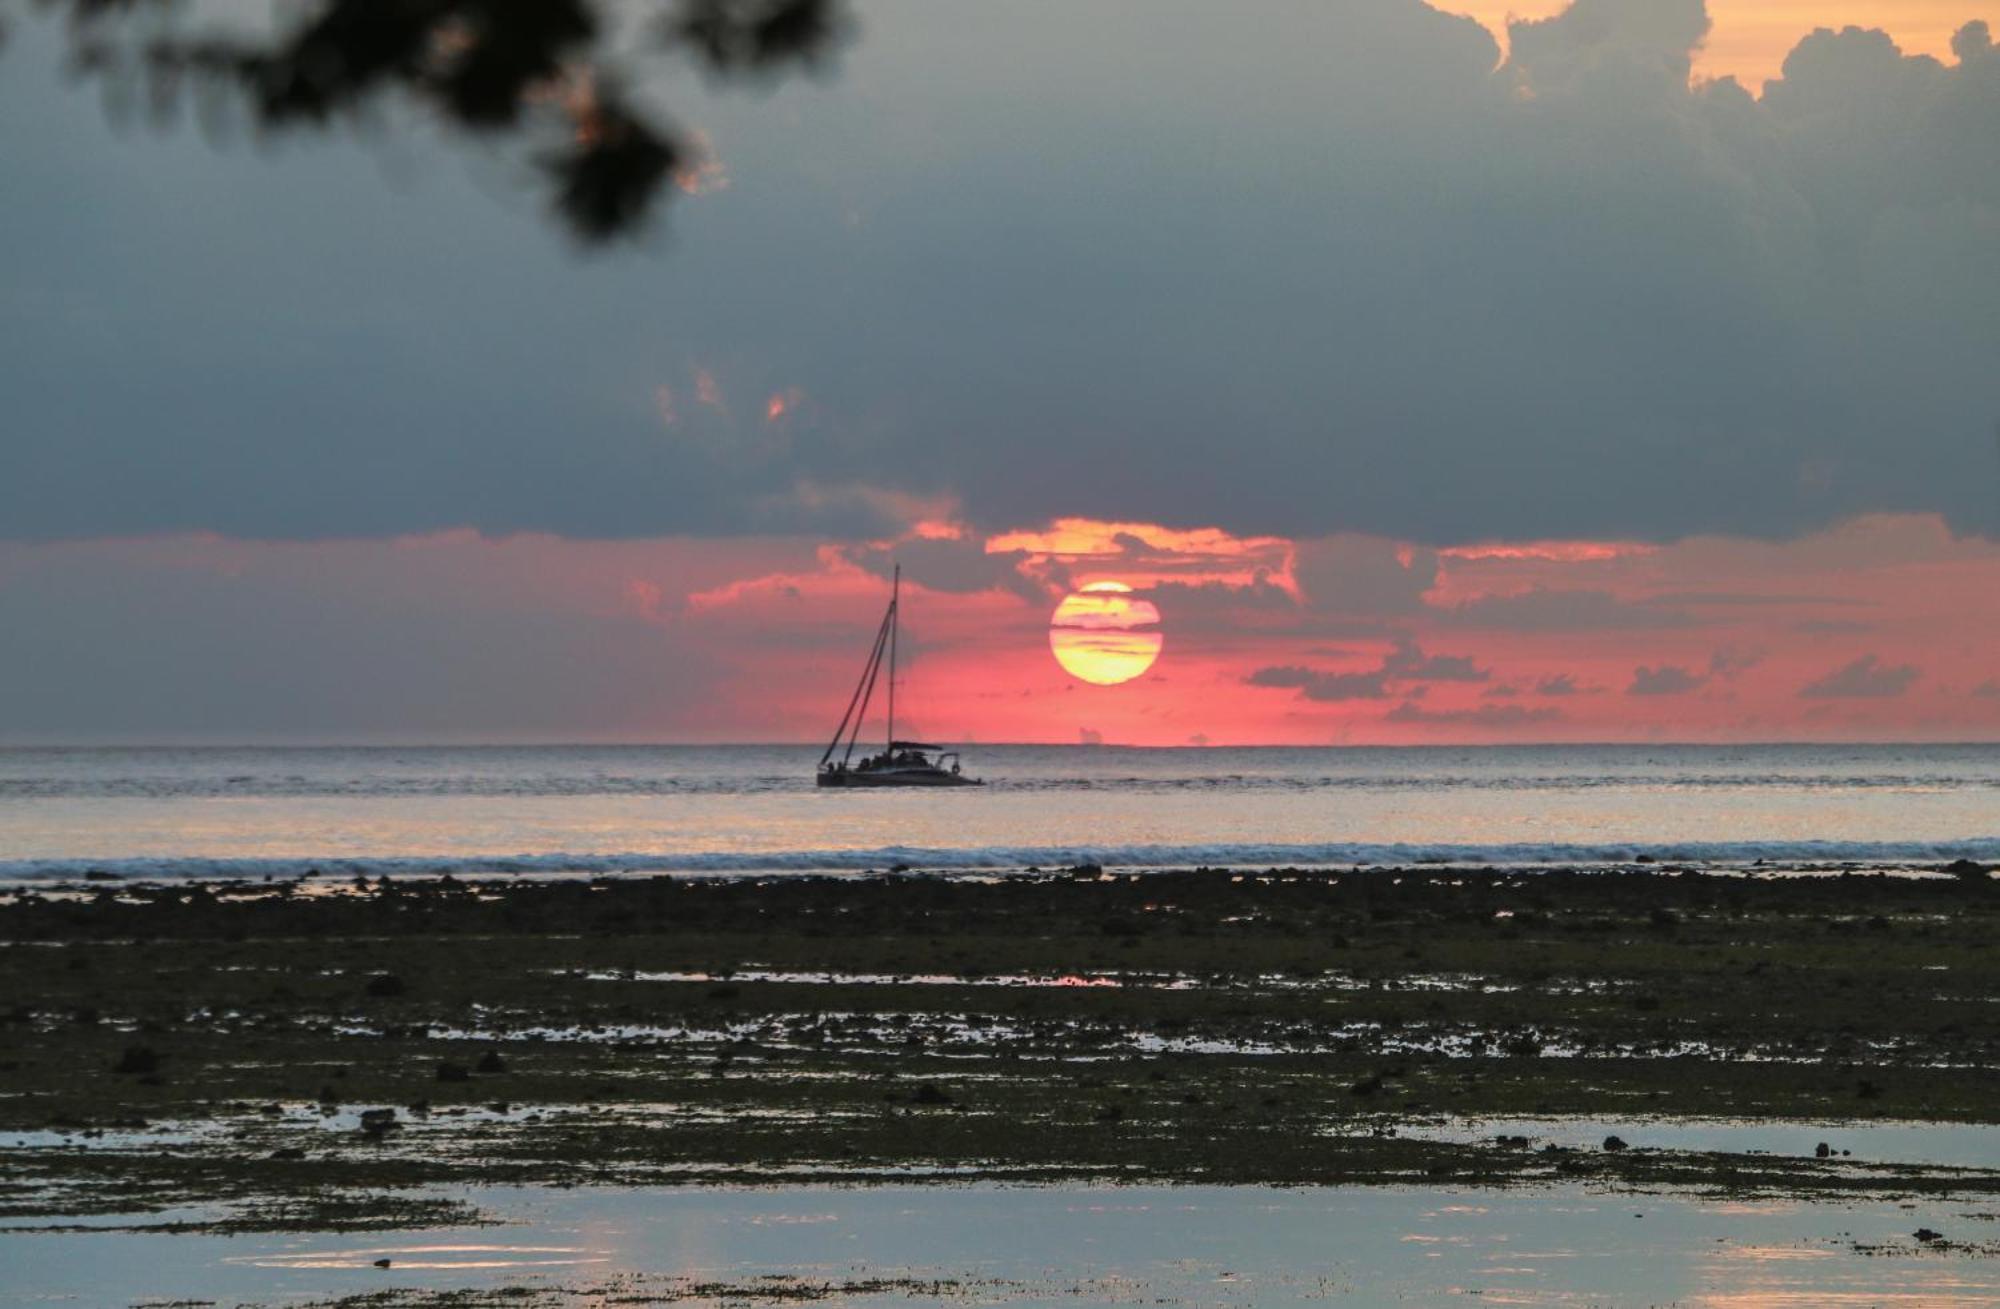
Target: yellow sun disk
1103, 635
1104, 658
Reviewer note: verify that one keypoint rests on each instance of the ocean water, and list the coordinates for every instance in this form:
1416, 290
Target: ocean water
163, 812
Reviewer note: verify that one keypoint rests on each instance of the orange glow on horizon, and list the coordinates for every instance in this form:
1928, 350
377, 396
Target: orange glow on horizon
1807, 639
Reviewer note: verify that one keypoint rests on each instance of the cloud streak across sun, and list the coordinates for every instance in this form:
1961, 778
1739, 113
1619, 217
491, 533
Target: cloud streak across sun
1104, 635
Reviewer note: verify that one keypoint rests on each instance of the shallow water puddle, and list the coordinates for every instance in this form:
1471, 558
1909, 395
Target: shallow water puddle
424, 1258
854, 1032
1328, 981
1076, 1245
1030, 980
1949, 1145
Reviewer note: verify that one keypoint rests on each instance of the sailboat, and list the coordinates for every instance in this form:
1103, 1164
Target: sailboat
901, 763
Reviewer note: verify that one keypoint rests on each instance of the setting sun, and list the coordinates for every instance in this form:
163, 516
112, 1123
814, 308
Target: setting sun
1104, 636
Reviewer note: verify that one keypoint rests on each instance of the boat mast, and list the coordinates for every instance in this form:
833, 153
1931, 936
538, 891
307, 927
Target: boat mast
895, 599
857, 704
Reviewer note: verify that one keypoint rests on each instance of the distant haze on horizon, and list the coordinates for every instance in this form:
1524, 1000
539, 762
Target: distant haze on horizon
1434, 380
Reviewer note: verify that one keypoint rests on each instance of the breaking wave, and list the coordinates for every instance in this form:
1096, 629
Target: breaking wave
988, 859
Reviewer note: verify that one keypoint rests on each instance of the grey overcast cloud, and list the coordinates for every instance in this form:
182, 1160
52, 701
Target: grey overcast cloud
1345, 268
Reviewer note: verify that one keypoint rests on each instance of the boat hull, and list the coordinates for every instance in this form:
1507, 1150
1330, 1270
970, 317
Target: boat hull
897, 777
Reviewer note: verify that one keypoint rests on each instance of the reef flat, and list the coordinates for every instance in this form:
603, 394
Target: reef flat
304, 1053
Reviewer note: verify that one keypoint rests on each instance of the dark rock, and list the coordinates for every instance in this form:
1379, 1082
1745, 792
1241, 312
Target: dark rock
99, 875
1614, 1143
288, 1153
137, 1059
929, 1094
382, 1263
1927, 1236
1968, 869
491, 1062
1822, 1150
377, 1121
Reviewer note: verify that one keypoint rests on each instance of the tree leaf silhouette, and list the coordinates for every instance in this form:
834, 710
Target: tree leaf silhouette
533, 68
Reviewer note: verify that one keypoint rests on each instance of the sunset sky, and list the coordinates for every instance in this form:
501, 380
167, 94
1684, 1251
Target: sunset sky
1629, 374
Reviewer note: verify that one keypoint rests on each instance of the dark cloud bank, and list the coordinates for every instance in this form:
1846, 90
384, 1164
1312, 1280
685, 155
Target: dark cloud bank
1334, 269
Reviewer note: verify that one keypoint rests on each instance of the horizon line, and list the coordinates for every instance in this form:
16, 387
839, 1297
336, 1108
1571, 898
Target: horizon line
338, 744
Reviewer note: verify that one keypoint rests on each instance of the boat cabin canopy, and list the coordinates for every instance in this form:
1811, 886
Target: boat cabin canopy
913, 745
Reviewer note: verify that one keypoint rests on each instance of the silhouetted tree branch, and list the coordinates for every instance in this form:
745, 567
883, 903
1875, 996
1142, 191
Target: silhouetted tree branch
490, 66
